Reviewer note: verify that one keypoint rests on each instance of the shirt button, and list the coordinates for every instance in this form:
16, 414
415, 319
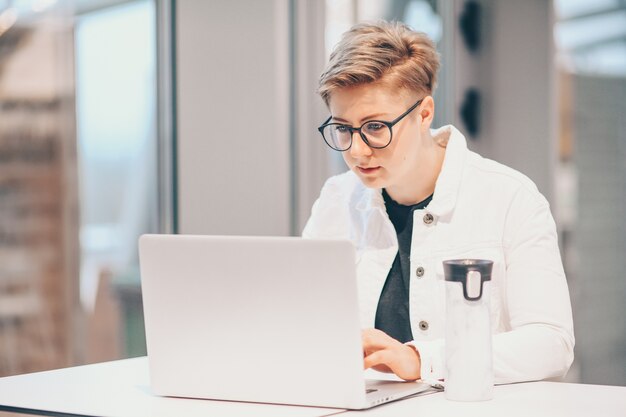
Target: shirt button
428, 218
419, 272
423, 325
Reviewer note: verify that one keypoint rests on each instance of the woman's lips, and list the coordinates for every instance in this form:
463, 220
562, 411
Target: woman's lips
369, 170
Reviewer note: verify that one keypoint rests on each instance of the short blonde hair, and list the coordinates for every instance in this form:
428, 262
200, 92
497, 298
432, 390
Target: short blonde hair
389, 52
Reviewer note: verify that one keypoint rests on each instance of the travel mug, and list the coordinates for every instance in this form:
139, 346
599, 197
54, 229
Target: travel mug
469, 359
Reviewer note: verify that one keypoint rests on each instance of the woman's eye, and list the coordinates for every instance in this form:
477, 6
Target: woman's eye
341, 129
374, 126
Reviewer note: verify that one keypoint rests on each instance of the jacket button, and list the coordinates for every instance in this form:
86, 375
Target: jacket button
423, 325
419, 272
428, 218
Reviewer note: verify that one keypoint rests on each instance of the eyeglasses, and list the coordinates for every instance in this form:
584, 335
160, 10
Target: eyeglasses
376, 134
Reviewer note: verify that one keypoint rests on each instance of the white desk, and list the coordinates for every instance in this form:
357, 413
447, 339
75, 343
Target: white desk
121, 388
531, 399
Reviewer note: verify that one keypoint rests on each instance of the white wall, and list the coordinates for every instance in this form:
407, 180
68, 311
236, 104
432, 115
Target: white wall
523, 111
235, 161
514, 71
232, 117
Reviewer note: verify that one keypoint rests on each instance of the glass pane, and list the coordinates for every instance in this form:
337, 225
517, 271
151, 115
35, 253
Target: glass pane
116, 105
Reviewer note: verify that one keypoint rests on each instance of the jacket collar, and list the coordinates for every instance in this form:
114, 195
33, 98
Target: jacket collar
448, 181
450, 177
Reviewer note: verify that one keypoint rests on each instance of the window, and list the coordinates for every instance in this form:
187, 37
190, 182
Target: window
117, 156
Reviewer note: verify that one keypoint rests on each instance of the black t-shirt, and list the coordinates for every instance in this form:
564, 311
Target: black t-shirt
392, 314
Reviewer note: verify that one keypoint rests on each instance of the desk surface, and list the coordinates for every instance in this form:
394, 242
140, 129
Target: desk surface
121, 388
532, 399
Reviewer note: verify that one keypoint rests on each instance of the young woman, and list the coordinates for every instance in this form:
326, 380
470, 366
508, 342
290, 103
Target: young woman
414, 197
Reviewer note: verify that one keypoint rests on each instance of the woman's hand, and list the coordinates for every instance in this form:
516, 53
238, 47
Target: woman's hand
385, 354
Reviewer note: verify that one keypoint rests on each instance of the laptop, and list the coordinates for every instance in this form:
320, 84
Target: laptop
257, 319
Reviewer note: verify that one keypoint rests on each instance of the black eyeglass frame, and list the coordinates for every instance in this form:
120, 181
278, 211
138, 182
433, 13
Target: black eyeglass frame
390, 125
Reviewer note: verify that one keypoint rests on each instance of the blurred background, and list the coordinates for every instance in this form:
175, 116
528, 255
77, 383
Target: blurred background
123, 117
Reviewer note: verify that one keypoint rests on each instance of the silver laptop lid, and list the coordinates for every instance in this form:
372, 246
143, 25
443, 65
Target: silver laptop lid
264, 319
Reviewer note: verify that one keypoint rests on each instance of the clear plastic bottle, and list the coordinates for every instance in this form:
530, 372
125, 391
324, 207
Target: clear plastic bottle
469, 358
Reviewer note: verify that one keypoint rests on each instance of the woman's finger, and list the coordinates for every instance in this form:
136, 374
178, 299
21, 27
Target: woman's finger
380, 357
402, 362
379, 361
374, 339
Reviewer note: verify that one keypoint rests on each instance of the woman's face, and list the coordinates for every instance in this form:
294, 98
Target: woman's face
395, 165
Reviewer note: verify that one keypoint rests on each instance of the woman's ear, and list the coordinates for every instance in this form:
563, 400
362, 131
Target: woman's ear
427, 112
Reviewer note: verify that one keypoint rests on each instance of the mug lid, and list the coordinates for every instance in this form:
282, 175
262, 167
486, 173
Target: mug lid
457, 269
471, 273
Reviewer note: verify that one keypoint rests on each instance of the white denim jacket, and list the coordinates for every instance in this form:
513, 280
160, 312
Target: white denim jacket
480, 209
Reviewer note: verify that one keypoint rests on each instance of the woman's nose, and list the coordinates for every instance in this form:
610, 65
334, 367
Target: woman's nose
359, 147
